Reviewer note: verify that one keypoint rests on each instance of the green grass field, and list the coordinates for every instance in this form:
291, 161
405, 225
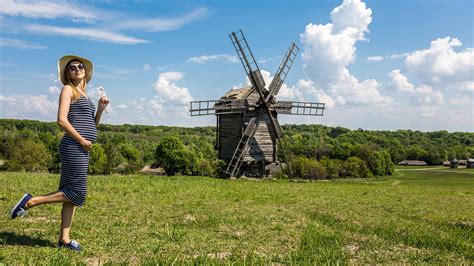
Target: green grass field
414, 216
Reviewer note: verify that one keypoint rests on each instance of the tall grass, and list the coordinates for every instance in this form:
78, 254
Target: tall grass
414, 216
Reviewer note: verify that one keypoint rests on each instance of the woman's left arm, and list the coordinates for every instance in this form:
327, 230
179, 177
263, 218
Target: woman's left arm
103, 102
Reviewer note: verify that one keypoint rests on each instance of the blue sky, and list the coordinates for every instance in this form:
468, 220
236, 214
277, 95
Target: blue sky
381, 65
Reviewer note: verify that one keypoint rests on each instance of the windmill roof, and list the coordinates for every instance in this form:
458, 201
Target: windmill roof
238, 94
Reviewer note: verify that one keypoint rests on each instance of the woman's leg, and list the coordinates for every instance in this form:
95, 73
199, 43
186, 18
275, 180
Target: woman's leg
67, 213
53, 197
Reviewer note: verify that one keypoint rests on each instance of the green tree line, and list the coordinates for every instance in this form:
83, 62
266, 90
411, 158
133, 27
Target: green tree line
317, 151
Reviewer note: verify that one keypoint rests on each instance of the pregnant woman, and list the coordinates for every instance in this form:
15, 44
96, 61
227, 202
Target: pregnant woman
78, 119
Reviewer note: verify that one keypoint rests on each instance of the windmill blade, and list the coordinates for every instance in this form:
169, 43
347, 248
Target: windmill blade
282, 71
281, 141
299, 108
276, 128
248, 61
199, 108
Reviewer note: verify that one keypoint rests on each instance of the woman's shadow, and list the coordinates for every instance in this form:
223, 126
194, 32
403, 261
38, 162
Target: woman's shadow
9, 238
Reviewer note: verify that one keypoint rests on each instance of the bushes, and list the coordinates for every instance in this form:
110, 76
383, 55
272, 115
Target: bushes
354, 167
306, 168
174, 157
97, 160
29, 156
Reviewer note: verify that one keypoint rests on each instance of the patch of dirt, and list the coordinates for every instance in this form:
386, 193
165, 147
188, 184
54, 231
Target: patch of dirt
189, 218
219, 256
352, 248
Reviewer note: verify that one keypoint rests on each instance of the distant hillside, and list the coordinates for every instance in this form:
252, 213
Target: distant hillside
129, 147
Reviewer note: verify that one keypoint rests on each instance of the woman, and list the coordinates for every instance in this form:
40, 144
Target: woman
76, 118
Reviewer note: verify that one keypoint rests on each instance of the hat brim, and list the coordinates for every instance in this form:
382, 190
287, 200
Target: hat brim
63, 61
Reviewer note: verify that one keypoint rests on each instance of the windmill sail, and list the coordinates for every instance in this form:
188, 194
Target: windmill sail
283, 70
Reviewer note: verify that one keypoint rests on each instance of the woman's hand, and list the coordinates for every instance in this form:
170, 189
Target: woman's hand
103, 102
86, 145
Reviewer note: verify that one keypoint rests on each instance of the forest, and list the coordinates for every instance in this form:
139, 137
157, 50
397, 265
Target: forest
316, 151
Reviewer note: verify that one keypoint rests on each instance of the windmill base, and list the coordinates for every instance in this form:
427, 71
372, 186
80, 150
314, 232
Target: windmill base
259, 169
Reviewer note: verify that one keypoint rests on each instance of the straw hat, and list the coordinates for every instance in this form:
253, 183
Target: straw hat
68, 58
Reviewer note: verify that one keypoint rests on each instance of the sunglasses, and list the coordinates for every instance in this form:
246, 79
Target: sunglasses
76, 67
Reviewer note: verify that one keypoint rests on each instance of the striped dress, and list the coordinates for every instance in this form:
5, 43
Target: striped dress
74, 159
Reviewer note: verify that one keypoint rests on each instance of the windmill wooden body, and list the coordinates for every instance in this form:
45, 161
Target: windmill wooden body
247, 131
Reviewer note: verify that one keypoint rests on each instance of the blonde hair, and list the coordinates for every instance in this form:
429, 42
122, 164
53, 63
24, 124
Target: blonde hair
76, 93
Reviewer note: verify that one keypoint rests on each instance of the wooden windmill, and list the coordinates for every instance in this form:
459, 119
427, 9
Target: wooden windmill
247, 127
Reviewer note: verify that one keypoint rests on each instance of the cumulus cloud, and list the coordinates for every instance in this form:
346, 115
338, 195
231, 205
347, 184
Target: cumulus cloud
427, 111
330, 48
54, 90
210, 58
28, 106
441, 65
400, 82
168, 106
422, 95
167, 89
319, 95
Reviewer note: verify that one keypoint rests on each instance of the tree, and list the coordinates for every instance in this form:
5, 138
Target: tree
356, 168
168, 154
333, 167
97, 160
132, 156
29, 156
389, 167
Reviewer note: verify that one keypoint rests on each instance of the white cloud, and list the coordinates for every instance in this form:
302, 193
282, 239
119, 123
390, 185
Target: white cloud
28, 107
352, 17
48, 10
400, 82
146, 67
54, 90
427, 112
84, 33
421, 95
109, 26
161, 24
171, 93
397, 56
441, 65
466, 85
7, 42
459, 101
375, 58
210, 58
330, 48
308, 87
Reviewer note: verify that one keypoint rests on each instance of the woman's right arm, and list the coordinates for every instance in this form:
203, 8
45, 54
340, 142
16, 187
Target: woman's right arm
63, 110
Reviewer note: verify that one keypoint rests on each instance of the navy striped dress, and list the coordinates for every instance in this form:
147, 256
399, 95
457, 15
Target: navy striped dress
74, 159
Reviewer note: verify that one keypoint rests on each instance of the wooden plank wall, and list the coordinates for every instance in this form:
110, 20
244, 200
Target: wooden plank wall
229, 136
261, 146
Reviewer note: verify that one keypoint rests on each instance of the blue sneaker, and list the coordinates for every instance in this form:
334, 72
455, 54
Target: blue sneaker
19, 209
73, 245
